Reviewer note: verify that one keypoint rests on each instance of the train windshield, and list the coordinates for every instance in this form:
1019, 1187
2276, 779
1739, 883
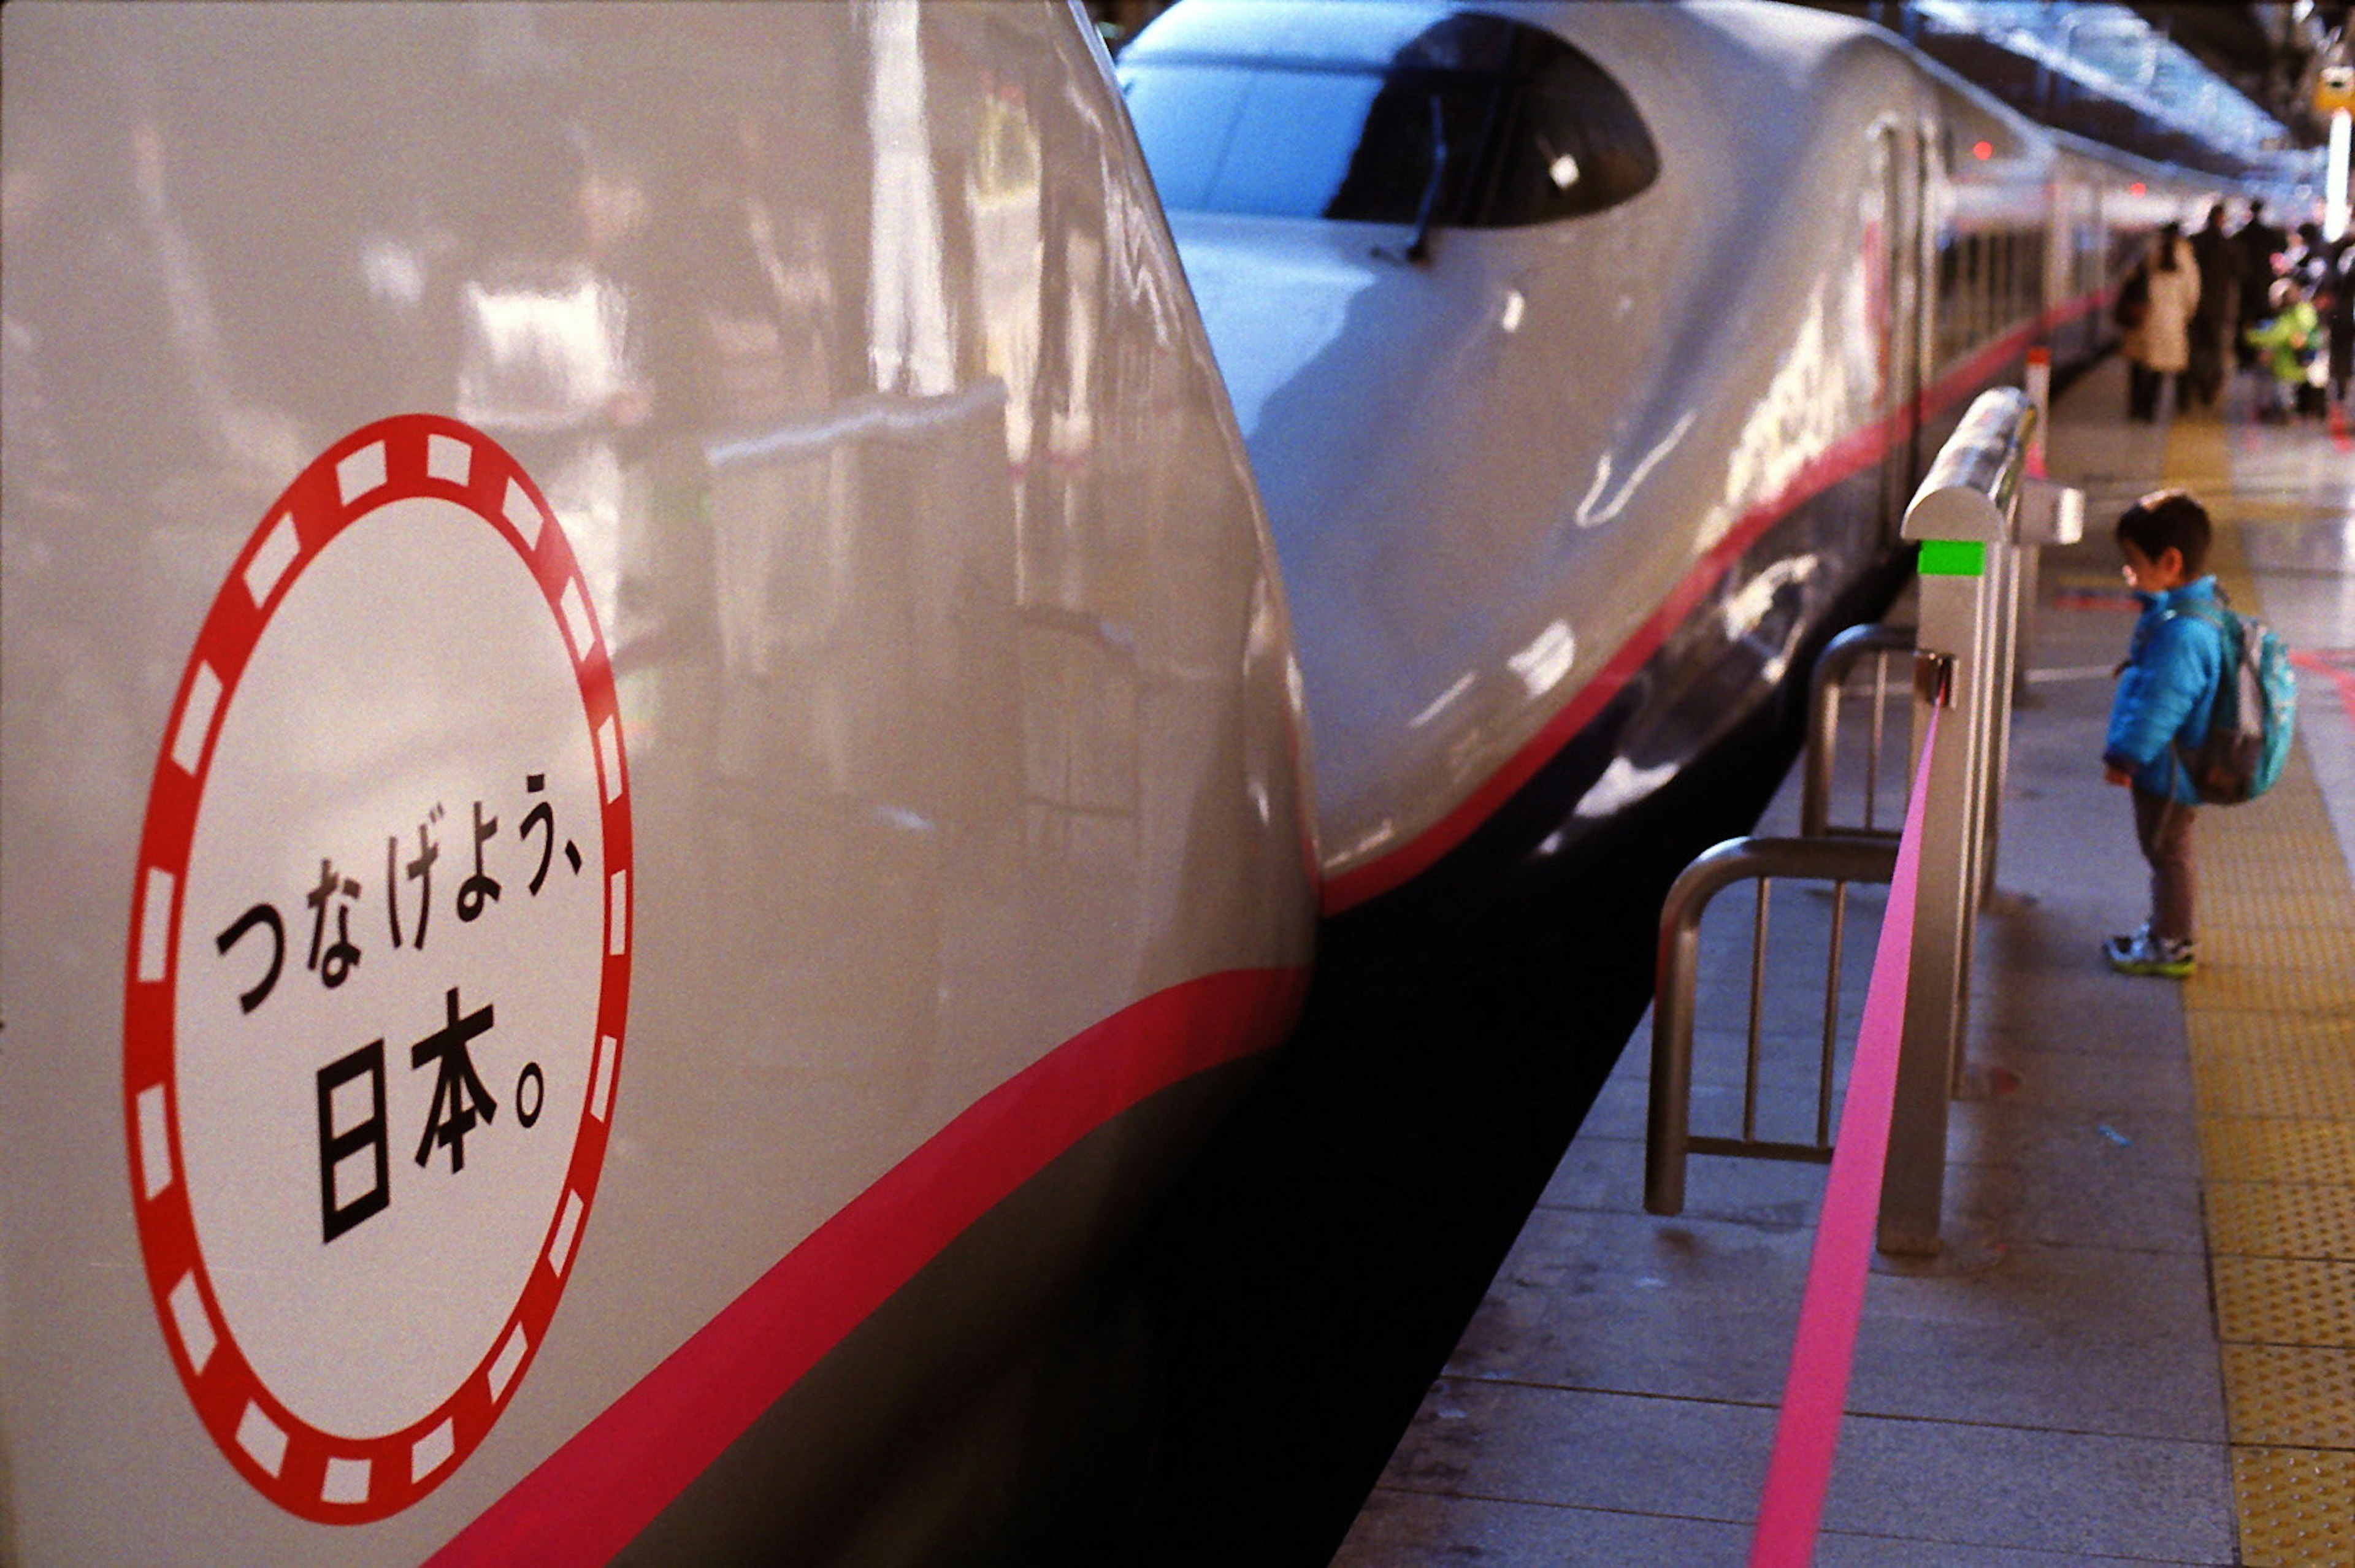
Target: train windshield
1493, 123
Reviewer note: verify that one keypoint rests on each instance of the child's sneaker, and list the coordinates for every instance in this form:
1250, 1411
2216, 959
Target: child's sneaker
2143, 953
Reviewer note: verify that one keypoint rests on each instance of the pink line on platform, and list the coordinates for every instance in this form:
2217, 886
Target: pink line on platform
1806, 1433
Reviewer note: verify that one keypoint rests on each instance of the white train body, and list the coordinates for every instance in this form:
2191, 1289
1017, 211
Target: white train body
655, 773
779, 441
1520, 477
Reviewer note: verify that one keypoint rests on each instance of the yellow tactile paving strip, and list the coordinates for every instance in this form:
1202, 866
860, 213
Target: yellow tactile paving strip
2296, 1394
2272, 1148
2270, 1017
2298, 1505
2249, 1218
2284, 1302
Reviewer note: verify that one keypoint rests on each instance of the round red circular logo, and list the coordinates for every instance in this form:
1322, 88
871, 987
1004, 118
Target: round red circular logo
378, 969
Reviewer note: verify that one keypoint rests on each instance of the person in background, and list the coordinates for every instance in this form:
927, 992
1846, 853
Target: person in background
2167, 688
2308, 258
2159, 344
2216, 321
2336, 308
2258, 242
2317, 264
2288, 341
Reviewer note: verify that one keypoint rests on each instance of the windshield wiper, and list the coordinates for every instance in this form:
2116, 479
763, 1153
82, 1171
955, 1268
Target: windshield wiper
1418, 249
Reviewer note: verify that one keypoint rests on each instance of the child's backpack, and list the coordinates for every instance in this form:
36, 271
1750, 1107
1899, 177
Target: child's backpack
2256, 708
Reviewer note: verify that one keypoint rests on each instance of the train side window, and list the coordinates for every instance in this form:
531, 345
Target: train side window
1999, 282
1949, 297
1983, 295
1972, 291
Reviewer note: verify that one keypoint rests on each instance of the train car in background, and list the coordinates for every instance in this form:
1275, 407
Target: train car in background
651, 773
1587, 356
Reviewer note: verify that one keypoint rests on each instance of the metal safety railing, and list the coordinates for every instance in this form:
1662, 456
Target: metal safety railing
1979, 518
1980, 527
1670, 1136
1828, 690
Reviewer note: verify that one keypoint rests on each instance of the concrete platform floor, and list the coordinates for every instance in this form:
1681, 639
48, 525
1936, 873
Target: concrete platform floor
2051, 1389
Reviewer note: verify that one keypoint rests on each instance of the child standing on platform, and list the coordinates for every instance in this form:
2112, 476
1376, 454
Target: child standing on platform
2166, 690
2291, 341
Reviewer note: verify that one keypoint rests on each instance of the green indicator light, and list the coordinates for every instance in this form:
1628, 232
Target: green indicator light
1953, 558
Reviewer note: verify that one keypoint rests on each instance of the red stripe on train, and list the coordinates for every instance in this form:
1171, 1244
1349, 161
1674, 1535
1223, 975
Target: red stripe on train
597, 1492
1845, 457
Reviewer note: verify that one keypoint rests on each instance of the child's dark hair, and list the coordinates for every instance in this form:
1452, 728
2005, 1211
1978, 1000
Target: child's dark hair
2165, 520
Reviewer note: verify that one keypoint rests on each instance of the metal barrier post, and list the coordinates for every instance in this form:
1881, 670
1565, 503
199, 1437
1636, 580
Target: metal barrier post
2042, 513
1961, 519
2049, 513
1979, 522
1826, 687
1994, 719
1669, 1139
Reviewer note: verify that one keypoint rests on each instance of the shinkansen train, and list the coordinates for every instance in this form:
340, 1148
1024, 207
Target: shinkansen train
652, 774
661, 766
1587, 356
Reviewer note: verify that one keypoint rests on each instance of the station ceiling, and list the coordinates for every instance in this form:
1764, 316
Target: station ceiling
2227, 86
2265, 48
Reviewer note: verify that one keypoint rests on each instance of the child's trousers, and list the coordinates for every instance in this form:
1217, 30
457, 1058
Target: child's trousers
2163, 828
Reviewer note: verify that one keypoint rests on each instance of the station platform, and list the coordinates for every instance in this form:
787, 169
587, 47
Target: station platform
2138, 1342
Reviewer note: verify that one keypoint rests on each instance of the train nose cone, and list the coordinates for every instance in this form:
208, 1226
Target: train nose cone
1274, 302
1342, 361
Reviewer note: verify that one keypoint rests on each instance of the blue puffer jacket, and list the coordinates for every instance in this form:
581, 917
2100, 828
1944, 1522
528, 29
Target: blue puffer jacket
2166, 690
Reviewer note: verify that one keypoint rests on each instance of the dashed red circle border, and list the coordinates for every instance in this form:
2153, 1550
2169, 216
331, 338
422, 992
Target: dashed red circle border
321, 1477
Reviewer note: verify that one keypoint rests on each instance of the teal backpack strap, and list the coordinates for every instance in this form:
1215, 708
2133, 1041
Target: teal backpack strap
2221, 619
2213, 613
2206, 610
